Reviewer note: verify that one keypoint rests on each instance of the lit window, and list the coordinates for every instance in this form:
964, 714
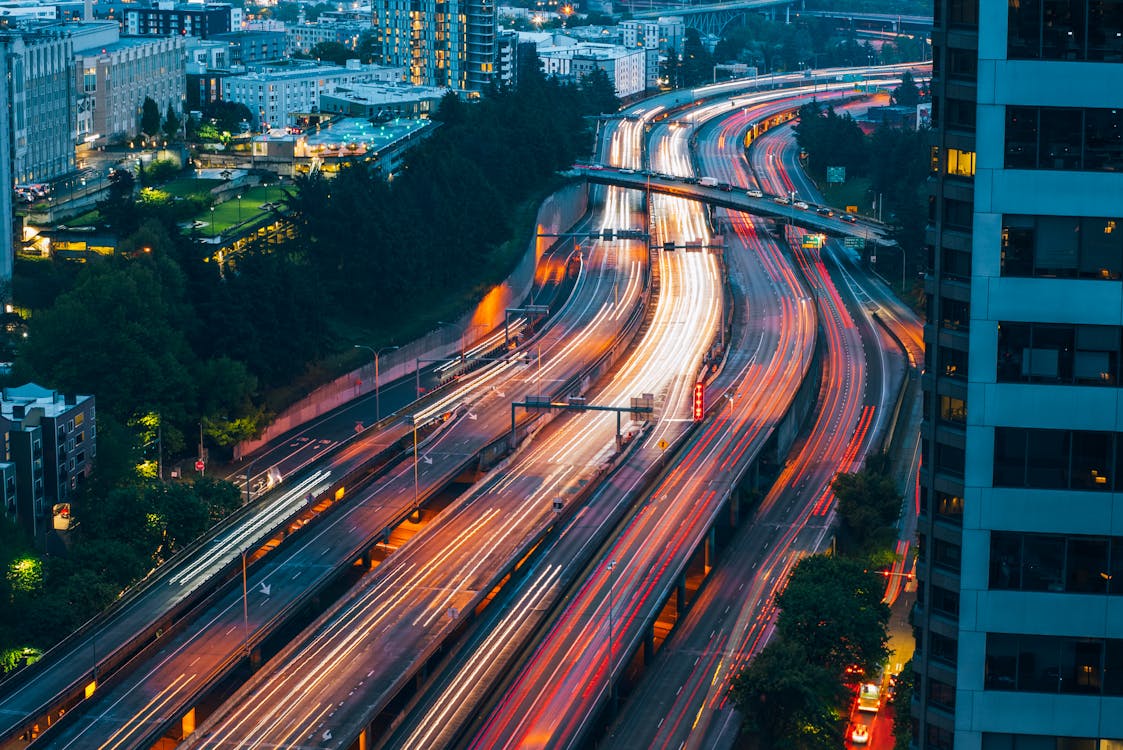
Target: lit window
961, 163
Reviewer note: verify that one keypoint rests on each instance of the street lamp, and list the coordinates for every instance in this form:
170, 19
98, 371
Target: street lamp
212, 221
239, 208
377, 353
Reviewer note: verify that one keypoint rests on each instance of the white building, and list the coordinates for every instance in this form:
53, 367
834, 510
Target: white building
275, 94
1020, 605
39, 66
626, 68
116, 77
665, 34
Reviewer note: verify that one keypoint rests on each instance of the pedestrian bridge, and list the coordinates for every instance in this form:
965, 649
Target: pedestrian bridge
739, 199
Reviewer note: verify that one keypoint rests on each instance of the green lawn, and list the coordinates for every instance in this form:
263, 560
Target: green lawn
233, 211
189, 186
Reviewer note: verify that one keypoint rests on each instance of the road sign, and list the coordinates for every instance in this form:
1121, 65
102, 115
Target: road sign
662, 445
812, 241
199, 465
836, 175
857, 243
851, 209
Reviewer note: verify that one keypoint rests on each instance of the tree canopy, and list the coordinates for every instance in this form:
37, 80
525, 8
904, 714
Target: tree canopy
150, 117
868, 507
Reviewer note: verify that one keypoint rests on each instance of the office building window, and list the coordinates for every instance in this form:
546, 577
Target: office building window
1064, 138
1057, 459
1055, 562
1058, 353
996, 741
1065, 30
1052, 664
1062, 247
961, 163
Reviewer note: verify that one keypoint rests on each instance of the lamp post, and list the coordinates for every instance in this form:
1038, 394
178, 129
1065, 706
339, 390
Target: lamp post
239, 208
377, 353
212, 221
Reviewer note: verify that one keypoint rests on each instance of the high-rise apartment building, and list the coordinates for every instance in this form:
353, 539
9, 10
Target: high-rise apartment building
1018, 618
445, 44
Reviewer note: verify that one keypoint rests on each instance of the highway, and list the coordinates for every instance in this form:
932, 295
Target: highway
353, 663
170, 681
553, 698
728, 625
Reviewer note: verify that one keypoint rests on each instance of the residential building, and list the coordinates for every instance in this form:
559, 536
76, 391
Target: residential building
1019, 634
165, 18
8, 231
117, 77
665, 34
507, 59
39, 66
381, 101
207, 54
253, 47
51, 440
301, 38
276, 93
625, 68
449, 45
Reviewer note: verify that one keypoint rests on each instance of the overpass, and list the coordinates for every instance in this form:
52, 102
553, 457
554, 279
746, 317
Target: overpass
712, 18
876, 21
739, 199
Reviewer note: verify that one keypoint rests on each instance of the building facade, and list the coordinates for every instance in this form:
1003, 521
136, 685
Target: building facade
252, 47
665, 34
625, 68
275, 94
117, 78
39, 66
181, 19
51, 440
448, 45
303, 37
1019, 634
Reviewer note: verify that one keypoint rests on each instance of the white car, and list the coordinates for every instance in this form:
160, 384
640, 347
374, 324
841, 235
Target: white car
860, 735
802, 205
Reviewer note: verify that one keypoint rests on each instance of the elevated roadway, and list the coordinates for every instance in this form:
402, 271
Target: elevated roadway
780, 207
327, 690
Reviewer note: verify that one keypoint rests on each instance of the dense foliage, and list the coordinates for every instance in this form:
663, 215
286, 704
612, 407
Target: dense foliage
831, 620
386, 249
897, 174
868, 507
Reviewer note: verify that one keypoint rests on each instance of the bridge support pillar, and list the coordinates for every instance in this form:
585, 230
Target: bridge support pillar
710, 550
680, 595
649, 645
364, 738
367, 559
187, 724
415, 516
255, 659
735, 507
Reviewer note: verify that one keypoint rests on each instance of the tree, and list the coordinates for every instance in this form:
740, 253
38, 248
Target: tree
907, 94
332, 52
150, 117
599, 92
787, 701
172, 123
868, 506
697, 64
832, 607
902, 705
227, 116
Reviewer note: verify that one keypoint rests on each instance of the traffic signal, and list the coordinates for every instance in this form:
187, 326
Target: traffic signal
699, 401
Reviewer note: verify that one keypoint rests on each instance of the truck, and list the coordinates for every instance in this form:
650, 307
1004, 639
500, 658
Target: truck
708, 182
